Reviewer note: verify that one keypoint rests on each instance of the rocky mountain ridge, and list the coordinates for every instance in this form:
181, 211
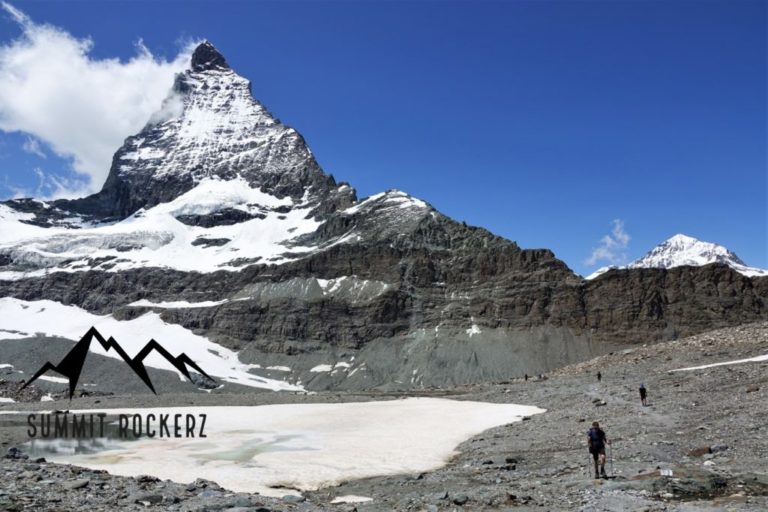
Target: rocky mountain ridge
221, 211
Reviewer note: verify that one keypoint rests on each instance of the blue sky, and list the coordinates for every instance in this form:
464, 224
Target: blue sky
542, 121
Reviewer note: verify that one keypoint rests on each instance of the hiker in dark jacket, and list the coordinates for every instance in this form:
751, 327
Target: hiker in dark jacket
596, 440
599, 376
643, 394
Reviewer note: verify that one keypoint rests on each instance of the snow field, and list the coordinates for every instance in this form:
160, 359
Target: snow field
307, 446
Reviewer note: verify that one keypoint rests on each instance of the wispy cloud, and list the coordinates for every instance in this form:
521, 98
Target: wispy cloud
49, 186
611, 247
80, 107
32, 146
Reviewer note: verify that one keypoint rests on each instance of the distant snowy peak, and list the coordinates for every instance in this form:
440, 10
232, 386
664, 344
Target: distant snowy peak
682, 250
685, 250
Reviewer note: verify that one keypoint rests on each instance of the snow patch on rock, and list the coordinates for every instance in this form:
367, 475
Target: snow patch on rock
71, 322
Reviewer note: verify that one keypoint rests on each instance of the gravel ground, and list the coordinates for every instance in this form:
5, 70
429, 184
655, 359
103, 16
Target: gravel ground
707, 426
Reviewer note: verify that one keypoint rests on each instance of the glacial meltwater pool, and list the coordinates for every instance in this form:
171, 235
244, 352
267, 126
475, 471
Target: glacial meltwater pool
273, 448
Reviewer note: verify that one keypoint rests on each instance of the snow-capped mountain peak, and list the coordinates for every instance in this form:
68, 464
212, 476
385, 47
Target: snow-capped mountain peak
683, 250
213, 182
209, 127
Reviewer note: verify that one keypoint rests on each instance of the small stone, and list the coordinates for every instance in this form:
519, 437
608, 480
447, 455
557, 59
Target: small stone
243, 501
460, 499
146, 498
753, 388
15, 453
75, 484
206, 484
719, 447
292, 498
698, 452
210, 493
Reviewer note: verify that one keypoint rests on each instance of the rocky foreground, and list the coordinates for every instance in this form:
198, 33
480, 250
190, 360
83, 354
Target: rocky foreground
705, 426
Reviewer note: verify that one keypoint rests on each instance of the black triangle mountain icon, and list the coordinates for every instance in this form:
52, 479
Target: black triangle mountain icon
72, 364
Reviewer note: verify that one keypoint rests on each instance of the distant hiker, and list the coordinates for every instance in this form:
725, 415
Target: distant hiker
526, 377
599, 376
643, 394
596, 441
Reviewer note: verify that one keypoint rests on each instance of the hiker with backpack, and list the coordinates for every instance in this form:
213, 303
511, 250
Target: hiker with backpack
596, 440
643, 395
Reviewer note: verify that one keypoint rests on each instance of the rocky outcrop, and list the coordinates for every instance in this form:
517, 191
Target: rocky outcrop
642, 305
504, 288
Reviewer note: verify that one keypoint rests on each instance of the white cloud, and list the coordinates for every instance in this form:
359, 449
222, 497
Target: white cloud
611, 246
81, 107
52, 186
32, 146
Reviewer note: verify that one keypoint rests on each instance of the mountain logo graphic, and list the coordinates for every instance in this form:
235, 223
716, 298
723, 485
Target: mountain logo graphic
72, 364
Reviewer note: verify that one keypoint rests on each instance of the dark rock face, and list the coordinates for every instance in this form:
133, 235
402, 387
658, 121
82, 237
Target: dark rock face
211, 242
385, 272
225, 217
656, 304
206, 56
503, 288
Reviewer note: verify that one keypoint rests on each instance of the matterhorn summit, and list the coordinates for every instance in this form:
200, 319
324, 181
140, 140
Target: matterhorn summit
210, 127
212, 182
